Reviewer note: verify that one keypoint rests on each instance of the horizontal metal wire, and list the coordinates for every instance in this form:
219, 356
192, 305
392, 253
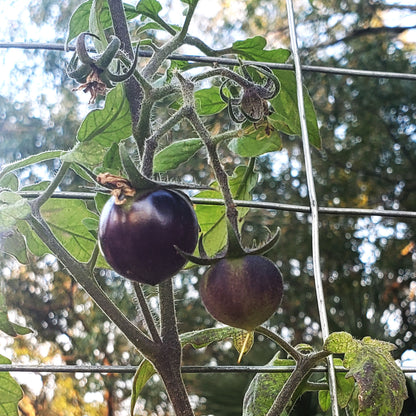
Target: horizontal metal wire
254, 204
103, 369
229, 61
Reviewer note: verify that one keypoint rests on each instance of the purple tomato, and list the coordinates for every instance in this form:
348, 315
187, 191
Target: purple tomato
138, 238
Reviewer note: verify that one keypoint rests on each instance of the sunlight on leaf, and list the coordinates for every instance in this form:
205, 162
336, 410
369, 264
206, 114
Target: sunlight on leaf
255, 142
80, 19
265, 387
101, 129
10, 392
381, 383
204, 337
211, 218
253, 49
66, 218
12, 208
285, 117
143, 374
345, 388
176, 153
149, 8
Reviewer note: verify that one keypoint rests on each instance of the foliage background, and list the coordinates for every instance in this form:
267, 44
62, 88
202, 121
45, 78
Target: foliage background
367, 160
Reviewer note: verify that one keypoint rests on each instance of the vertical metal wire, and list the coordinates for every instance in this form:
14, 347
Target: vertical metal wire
313, 202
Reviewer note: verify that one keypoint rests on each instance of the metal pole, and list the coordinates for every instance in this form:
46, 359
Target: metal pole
313, 203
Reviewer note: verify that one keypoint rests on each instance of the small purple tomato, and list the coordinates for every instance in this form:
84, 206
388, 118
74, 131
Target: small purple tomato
242, 292
138, 238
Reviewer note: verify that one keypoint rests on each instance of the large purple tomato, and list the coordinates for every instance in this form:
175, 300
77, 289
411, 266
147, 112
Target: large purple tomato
138, 238
242, 292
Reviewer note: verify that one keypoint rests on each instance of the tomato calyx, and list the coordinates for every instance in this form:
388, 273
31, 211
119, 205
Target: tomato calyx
94, 74
135, 183
234, 249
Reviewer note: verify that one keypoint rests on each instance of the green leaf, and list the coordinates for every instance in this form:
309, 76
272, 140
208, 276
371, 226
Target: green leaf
339, 343
204, 337
112, 161
285, 117
14, 244
8, 327
176, 153
31, 160
149, 8
253, 50
10, 182
100, 129
255, 142
95, 26
208, 101
66, 219
100, 200
381, 383
10, 392
80, 19
33, 242
12, 208
211, 218
110, 124
143, 374
264, 388
345, 388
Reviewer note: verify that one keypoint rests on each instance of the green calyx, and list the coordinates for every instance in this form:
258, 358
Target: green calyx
99, 65
234, 249
140, 182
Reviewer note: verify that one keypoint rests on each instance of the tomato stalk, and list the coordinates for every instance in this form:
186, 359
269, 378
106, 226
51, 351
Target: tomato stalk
205, 135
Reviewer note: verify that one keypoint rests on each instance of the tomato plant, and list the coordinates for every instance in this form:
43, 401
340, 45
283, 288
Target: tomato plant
147, 235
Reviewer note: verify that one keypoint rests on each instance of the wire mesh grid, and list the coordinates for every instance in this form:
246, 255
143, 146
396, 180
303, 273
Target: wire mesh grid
313, 209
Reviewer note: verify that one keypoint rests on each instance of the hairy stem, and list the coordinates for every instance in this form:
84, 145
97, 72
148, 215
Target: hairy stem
292, 351
161, 55
170, 369
38, 202
301, 371
151, 142
134, 91
81, 273
147, 315
205, 135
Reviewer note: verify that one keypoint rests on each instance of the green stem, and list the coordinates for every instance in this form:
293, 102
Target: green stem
168, 324
292, 351
142, 129
147, 315
93, 259
222, 137
221, 175
81, 273
134, 91
247, 173
224, 72
301, 371
204, 134
203, 47
170, 368
158, 58
56, 181
151, 142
